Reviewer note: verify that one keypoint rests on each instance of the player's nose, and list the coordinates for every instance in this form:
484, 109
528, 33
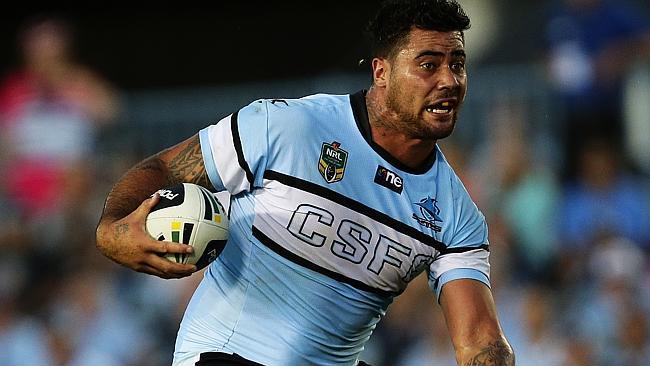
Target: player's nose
447, 79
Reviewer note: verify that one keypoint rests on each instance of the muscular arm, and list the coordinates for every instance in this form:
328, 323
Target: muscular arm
180, 163
472, 321
121, 234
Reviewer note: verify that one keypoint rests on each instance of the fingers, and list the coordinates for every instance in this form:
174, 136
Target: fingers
146, 205
149, 255
164, 268
167, 247
145, 268
156, 272
167, 267
157, 261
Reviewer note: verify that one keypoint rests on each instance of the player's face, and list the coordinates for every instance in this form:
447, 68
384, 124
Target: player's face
426, 83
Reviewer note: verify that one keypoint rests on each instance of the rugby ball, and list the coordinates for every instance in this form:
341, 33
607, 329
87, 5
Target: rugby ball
190, 214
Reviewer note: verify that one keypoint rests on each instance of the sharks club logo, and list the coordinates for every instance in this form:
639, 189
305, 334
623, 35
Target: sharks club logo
429, 214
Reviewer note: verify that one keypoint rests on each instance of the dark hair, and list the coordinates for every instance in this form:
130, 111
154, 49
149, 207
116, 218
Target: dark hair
395, 18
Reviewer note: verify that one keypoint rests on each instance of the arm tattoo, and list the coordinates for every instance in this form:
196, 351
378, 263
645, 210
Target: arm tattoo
495, 354
188, 166
154, 173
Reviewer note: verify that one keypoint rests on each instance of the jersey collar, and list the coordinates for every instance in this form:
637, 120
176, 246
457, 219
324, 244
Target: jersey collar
360, 112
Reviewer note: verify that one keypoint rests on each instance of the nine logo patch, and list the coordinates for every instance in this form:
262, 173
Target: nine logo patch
389, 179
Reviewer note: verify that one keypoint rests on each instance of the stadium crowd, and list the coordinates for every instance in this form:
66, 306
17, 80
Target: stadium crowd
569, 222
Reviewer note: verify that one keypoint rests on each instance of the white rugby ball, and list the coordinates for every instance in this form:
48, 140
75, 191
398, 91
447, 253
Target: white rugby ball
190, 214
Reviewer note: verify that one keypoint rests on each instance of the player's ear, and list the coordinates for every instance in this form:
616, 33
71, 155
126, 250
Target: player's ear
380, 70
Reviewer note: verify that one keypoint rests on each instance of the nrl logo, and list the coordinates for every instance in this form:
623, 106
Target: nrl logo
430, 214
332, 162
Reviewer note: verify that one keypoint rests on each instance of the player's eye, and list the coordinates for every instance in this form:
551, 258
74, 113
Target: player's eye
458, 67
428, 65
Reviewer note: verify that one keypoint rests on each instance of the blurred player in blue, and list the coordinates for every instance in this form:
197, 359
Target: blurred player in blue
338, 202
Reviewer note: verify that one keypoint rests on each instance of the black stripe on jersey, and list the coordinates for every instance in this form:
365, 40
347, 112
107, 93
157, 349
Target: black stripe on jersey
465, 249
277, 248
238, 149
360, 112
365, 210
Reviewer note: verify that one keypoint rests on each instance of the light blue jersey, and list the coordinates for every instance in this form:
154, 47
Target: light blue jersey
326, 228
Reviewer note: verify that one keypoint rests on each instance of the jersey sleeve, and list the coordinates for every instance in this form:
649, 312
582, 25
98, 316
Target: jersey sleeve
235, 149
467, 254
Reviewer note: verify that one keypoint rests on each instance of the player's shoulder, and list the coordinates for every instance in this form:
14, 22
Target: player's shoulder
305, 112
447, 170
303, 104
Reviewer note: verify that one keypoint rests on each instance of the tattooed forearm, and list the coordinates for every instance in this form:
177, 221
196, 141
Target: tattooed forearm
181, 163
188, 165
136, 185
498, 353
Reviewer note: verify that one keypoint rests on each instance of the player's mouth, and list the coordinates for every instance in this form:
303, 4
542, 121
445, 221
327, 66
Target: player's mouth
442, 106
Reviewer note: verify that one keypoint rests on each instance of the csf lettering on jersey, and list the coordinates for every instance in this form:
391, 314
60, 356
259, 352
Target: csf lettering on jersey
351, 241
339, 237
307, 185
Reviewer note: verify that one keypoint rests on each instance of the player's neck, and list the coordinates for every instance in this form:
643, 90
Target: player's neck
409, 151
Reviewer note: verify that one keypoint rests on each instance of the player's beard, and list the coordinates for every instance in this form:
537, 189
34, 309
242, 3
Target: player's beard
413, 123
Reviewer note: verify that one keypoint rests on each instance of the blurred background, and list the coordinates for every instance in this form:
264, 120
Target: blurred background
553, 144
